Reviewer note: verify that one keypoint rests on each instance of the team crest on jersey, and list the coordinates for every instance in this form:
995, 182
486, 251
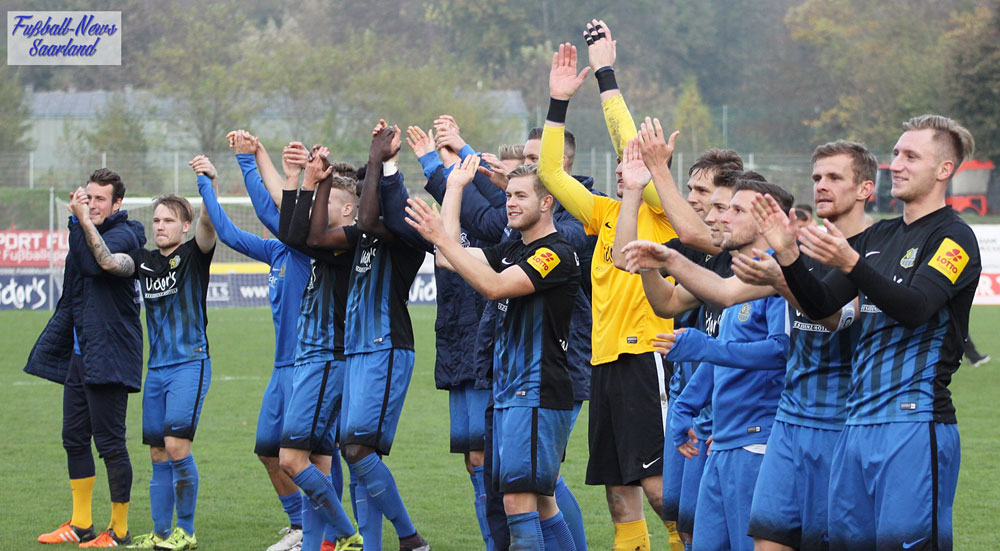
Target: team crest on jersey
744, 314
909, 259
544, 261
174, 262
282, 272
950, 259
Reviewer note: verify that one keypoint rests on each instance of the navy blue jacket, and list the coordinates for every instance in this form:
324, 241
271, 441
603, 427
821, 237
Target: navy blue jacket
484, 217
104, 310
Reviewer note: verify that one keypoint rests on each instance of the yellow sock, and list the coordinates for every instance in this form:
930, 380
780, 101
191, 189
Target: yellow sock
119, 518
631, 536
674, 541
83, 491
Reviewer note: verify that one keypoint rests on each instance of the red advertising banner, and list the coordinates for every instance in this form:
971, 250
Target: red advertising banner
30, 248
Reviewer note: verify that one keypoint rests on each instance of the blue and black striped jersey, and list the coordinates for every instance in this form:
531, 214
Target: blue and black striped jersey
321, 323
818, 373
529, 362
379, 291
174, 289
902, 373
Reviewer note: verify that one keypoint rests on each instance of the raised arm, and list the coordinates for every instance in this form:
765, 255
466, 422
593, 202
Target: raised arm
119, 264
564, 81
634, 177
452, 204
384, 147
602, 52
265, 202
656, 153
243, 242
204, 231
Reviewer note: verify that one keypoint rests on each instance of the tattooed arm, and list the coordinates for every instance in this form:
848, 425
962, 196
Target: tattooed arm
119, 264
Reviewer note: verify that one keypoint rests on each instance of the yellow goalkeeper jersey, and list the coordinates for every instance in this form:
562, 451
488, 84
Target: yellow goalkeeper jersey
623, 320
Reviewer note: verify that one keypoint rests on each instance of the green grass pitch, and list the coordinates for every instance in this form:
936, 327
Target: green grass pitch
238, 509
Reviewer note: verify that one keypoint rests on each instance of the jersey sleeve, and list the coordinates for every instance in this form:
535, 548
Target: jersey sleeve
138, 257
573, 195
261, 200
955, 262
551, 265
243, 242
621, 128
495, 254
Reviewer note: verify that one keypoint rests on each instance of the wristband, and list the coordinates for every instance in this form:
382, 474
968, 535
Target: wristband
557, 110
389, 168
606, 79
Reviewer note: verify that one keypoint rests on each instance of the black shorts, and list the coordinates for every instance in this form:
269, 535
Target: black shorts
628, 405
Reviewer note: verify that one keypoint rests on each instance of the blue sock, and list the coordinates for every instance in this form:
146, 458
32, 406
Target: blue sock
571, 513
161, 497
556, 534
317, 486
312, 524
292, 505
368, 514
354, 494
330, 532
480, 504
337, 474
525, 532
383, 491
186, 489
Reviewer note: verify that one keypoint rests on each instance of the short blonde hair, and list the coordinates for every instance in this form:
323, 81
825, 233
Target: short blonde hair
179, 205
511, 152
955, 140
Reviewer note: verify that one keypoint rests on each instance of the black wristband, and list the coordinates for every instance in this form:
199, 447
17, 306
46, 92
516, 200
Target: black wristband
557, 110
606, 79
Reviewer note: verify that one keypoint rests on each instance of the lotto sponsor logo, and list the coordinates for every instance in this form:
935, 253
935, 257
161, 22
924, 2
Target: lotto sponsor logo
544, 261
950, 259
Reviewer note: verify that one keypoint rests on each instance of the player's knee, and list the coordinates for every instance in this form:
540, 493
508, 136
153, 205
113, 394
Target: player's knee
292, 463
356, 452
270, 463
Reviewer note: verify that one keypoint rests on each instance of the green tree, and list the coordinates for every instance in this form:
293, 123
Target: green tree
203, 62
14, 112
119, 128
885, 61
692, 118
974, 77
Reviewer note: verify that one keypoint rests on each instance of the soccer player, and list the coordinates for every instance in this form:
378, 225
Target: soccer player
789, 509
696, 218
311, 415
289, 271
895, 466
628, 384
378, 341
533, 282
740, 375
174, 283
93, 347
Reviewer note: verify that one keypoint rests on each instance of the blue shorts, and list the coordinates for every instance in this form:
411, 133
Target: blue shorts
892, 486
172, 398
528, 446
374, 391
690, 483
313, 408
723, 513
272, 411
467, 408
790, 499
